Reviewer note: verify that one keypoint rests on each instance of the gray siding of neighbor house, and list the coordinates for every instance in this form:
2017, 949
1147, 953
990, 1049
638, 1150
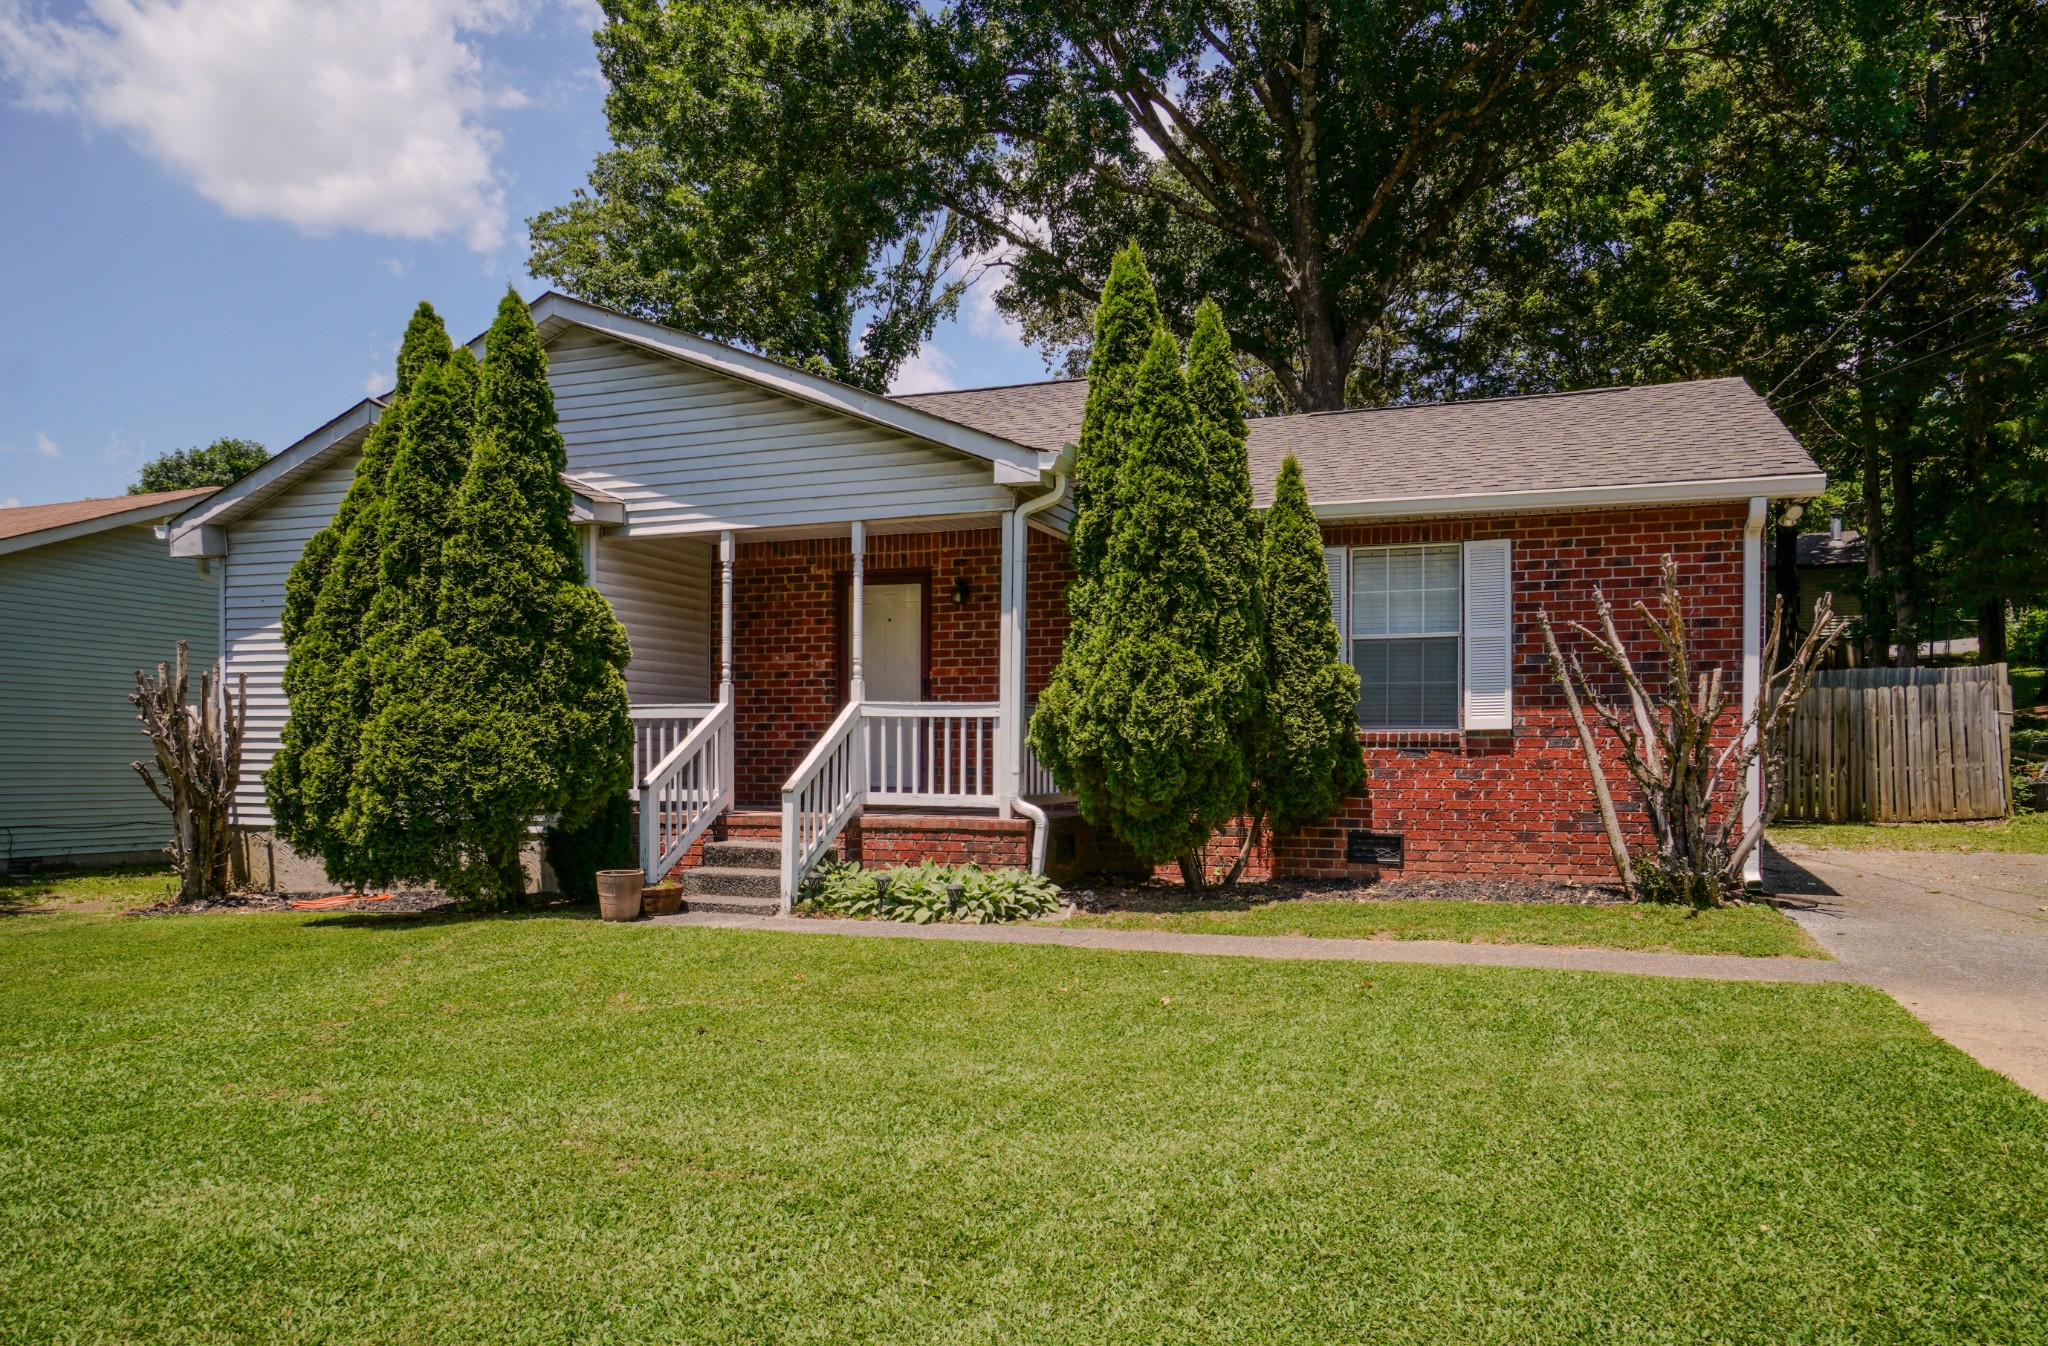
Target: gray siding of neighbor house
77, 619
693, 451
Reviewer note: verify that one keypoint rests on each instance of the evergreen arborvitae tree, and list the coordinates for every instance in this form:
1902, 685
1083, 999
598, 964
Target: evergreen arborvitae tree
1216, 394
391, 824
1125, 322
514, 704
327, 603
1152, 744
1308, 760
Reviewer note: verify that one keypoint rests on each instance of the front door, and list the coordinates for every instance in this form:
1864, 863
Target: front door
892, 659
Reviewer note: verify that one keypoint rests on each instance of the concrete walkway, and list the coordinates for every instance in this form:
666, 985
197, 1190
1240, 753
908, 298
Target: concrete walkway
1961, 940
1711, 966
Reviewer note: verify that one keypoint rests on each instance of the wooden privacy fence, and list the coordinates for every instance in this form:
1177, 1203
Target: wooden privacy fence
1895, 745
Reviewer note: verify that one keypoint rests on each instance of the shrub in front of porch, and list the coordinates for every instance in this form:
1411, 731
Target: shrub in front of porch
924, 893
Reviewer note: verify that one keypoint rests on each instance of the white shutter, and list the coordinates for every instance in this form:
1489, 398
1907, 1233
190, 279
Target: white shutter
1335, 566
1489, 635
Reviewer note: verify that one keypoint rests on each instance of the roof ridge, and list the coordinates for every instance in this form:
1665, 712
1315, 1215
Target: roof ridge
1505, 397
988, 388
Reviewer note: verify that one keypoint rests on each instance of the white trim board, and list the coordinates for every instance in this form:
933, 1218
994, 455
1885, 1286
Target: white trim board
1800, 486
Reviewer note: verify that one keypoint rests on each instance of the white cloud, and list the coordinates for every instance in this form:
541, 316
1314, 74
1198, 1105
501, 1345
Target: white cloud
47, 447
925, 372
368, 115
984, 319
11, 502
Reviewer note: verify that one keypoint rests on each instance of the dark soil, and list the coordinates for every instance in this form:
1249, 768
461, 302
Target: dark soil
1104, 894
408, 902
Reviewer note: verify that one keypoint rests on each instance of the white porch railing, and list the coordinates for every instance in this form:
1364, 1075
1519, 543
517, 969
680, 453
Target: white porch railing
821, 797
1034, 778
932, 753
685, 792
657, 730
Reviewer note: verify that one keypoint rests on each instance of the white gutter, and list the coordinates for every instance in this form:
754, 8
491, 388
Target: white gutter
1752, 672
1794, 486
1017, 540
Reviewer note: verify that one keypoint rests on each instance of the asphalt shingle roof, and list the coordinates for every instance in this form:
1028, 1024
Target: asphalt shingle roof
1703, 430
25, 519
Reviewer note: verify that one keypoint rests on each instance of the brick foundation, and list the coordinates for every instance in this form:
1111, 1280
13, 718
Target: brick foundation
879, 839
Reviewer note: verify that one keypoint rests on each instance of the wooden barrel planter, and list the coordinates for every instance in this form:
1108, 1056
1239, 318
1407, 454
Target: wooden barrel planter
618, 894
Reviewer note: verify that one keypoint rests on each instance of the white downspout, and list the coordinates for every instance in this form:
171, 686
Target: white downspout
1015, 592
1752, 672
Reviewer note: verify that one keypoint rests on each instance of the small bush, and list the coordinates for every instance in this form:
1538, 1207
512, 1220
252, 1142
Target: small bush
2028, 641
922, 893
605, 842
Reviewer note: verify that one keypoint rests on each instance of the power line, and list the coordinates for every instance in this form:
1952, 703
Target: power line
1885, 284
1894, 345
1982, 338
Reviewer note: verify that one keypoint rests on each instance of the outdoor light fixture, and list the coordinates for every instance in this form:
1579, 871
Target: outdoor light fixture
1793, 516
962, 590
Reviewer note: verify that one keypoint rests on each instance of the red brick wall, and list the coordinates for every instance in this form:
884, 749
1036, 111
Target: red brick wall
1048, 571
1519, 802
879, 840
786, 639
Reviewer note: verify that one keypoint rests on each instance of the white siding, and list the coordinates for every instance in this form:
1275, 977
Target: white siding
261, 550
77, 620
661, 590
691, 451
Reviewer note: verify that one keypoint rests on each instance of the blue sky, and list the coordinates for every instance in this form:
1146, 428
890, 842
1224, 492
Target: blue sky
221, 212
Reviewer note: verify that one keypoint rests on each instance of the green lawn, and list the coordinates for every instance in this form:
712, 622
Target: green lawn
89, 889
1754, 930
2026, 834
341, 1129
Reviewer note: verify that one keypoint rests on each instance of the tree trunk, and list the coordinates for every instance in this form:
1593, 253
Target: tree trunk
1323, 367
1192, 875
1991, 644
1905, 573
1244, 852
1876, 629
1788, 587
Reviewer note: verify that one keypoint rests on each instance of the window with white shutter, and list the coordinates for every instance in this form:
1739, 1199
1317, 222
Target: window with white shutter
1489, 635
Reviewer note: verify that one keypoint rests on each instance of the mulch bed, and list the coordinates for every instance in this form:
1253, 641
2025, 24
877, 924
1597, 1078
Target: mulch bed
413, 902
1161, 895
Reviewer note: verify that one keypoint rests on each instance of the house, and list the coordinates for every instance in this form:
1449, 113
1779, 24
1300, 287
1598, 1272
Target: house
842, 605
1823, 563
87, 598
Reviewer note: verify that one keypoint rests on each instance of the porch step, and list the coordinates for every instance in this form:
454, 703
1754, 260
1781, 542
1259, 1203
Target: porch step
730, 881
744, 855
744, 906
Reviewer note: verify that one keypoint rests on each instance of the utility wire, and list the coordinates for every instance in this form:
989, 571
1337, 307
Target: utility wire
1883, 285
1982, 338
1894, 345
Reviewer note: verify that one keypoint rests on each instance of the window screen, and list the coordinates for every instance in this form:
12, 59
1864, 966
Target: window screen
1404, 636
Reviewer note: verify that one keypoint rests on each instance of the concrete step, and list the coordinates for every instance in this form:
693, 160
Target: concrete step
727, 880
744, 855
744, 906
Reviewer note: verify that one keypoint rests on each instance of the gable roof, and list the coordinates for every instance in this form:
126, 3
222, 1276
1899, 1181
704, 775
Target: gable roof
553, 313
28, 526
1707, 439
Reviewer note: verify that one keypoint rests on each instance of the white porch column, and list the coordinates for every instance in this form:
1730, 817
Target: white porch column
1752, 669
1010, 674
856, 683
725, 554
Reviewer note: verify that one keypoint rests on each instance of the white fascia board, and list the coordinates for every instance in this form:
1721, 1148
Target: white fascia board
282, 470
64, 532
804, 387
1800, 486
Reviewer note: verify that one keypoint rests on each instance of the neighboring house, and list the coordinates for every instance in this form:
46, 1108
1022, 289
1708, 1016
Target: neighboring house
842, 605
1827, 563
87, 598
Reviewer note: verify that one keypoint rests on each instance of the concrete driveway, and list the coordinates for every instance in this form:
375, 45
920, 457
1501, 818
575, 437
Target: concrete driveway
1961, 940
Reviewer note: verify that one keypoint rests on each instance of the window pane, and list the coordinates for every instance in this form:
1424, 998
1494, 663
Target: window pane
1369, 591
1407, 684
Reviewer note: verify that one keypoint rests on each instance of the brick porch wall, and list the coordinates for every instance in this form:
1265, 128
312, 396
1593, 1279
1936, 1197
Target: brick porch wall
786, 640
879, 840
